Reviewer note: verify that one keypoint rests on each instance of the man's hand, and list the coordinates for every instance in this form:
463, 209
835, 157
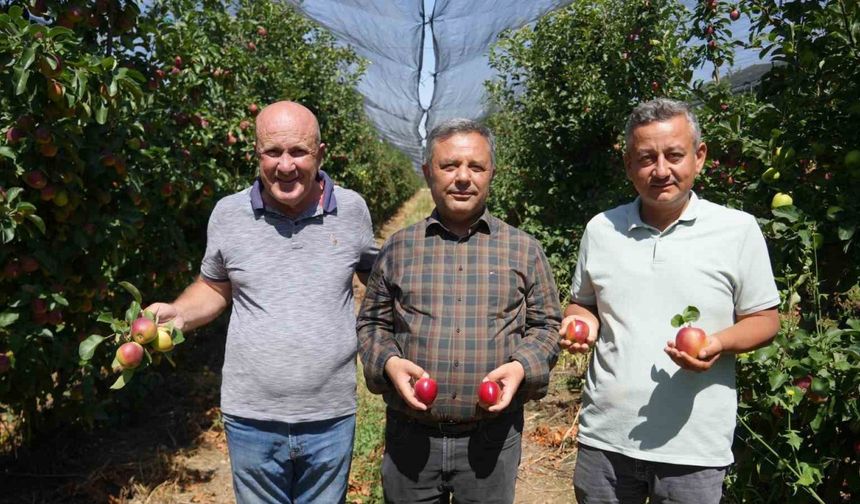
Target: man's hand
509, 376
702, 362
166, 312
574, 347
403, 373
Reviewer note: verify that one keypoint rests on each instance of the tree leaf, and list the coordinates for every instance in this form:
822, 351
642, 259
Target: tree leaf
123, 379
8, 318
133, 312
37, 221
21, 83
59, 299
691, 314
132, 290
27, 57
178, 336
87, 348
677, 321
106, 318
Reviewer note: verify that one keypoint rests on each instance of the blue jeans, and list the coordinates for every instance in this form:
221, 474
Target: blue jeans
294, 463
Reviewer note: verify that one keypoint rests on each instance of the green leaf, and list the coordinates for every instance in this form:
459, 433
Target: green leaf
7, 152
13, 193
178, 336
101, 112
60, 32
132, 290
776, 379
87, 348
37, 221
846, 231
789, 213
793, 439
691, 314
22, 77
677, 321
133, 311
59, 299
28, 57
123, 379
105, 318
8, 318
809, 475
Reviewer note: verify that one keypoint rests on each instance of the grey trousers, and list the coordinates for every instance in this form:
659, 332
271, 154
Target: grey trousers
605, 477
426, 464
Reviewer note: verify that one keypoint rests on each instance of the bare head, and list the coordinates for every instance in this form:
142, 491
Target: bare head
290, 155
451, 127
658, 110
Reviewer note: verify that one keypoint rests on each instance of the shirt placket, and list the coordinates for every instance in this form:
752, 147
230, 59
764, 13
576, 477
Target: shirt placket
459, 285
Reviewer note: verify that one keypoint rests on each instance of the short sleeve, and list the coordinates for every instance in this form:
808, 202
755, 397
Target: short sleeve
581, 289
212, 267
755, 288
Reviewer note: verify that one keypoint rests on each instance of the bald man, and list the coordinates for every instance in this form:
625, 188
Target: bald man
283, 252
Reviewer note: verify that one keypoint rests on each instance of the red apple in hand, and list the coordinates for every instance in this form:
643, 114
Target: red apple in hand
489, 393
425, 390
577, 332
143, 330
691, 340
129, 355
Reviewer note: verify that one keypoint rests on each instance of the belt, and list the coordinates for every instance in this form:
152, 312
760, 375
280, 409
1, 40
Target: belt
444, 427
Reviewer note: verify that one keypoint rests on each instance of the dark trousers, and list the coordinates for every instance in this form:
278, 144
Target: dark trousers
468, 463
605, 477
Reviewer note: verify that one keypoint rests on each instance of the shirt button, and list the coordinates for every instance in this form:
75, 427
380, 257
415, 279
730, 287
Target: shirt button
458, 330
460, 268
459, 299
456, 363
453, 395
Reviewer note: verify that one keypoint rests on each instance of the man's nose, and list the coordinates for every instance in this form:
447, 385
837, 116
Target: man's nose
462, 175
661, 167
285, 162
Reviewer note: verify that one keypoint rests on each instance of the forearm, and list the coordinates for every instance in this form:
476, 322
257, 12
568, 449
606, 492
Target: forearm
588, 313
749, 332
201, 302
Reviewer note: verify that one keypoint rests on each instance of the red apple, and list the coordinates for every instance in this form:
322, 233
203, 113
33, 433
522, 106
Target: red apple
177, 62
48, 193
425, 390
36, 179
29, 264
55, 317
14, 135
243, 125
253, 109
43, 135
691, 340
804, 382
143, 330
709, 30
48, 150
735, 14
12, 269
5, 363
577, 332
231, 139
262, 31
489, 393
39, 306
129, 355
251, 46
75, 14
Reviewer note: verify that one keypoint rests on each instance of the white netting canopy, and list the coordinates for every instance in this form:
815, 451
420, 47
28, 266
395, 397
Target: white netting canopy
390, 35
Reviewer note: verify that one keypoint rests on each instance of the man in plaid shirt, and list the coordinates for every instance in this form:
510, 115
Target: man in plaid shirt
461, 298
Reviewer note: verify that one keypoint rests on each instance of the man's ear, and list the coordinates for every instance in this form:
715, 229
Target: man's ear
425, 169
701, 155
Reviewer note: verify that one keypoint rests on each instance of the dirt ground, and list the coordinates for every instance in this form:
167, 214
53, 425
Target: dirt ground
172, 448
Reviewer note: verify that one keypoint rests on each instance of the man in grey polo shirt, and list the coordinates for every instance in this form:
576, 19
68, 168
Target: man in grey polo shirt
283, 253
657, 422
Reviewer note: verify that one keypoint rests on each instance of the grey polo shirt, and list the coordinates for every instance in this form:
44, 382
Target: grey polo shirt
636, 400
291, 341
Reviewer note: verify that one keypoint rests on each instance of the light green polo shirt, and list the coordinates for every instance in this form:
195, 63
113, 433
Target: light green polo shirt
636, 401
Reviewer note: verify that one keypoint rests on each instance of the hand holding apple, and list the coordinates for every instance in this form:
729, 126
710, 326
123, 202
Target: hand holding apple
425, 390
578, 335
507, 378
402, 373
692, 349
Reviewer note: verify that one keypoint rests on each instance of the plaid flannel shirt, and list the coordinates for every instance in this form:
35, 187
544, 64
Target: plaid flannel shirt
459, 308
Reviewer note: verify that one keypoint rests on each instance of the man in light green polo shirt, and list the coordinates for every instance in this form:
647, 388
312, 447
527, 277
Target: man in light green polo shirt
658, 423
